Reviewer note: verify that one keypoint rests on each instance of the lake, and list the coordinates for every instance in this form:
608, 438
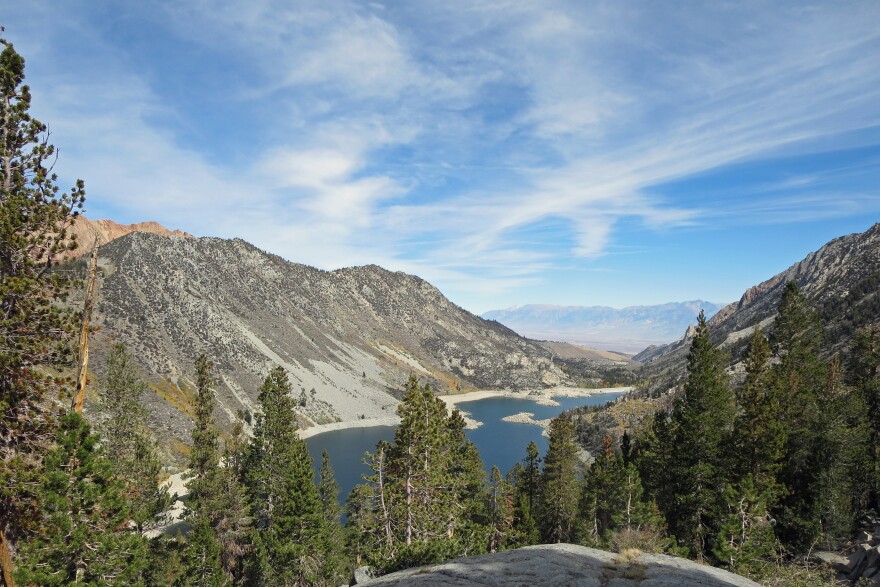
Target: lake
500, 443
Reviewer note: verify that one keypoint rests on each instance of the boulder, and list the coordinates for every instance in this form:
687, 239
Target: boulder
834, 560
860, 560
566, 564
362, 575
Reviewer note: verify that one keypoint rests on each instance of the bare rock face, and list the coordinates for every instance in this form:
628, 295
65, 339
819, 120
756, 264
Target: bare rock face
842, 280
566, 565
348, 339
87, 231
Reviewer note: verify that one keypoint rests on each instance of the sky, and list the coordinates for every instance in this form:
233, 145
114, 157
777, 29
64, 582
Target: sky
555, 152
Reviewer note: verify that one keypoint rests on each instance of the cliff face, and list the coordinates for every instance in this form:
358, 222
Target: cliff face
347, 338
86, 231
840, 279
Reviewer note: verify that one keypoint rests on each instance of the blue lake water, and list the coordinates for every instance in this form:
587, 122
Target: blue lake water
500, 443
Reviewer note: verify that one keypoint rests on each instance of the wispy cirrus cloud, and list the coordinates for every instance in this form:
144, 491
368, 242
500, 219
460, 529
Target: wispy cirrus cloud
432, 138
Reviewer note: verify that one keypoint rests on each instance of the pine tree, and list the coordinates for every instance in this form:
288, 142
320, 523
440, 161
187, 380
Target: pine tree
530, 482
468, 521
560, 484
34, 331
759, 428
501, 511
368, 513
419, 480
83, 534
203, 561
656, 451
525, 529
864, 372
799, 377
204, 458
289, 530
126, 439
202, 557
231, 512
600, 498
424, 501
336, 567
746, 542
701, 425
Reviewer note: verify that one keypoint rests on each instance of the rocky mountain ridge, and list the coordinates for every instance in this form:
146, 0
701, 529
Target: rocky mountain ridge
348, 338
627, 330
841, 279
86, 231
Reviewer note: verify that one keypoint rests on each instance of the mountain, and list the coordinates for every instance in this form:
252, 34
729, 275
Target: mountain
842, 280
348, 338
629, 329
87, 230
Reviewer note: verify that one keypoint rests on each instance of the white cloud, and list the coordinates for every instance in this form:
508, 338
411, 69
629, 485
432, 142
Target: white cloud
429, 137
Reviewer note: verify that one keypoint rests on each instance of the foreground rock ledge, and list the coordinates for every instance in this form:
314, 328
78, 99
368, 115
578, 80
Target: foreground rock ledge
566, 564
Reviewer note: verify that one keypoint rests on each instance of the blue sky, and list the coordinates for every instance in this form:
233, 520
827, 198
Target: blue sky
581, 153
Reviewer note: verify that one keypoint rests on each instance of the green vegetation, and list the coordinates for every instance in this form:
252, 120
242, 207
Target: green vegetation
745, 478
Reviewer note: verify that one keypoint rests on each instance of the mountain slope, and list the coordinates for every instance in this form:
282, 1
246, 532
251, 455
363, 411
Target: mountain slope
348, 338
628, 329
842, 280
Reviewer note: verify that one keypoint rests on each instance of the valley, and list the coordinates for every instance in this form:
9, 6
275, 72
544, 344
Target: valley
333, 293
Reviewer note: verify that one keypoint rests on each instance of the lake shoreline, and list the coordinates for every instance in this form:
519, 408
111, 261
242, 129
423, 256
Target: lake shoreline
541, 396
305, 433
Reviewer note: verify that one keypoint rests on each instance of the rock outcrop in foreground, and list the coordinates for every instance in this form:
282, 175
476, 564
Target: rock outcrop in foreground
566, 564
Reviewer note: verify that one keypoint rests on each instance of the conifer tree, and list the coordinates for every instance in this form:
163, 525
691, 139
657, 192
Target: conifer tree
530, 481
203, 562
701, 425
423, 502
419, 475
231, 515
656, 451
799, 377
83, 535
525, 529
864, 372
468, 521
601, 498
289, 529
34, 331
368, 511
204, 459
560, 483
746, 542
759, 429
336, 567
501, 511
126, 439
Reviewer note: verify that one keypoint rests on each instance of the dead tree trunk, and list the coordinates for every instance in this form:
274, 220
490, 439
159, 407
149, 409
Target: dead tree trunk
82, 378
6, 562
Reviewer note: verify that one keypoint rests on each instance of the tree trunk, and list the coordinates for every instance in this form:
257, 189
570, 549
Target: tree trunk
6, 562
82, 378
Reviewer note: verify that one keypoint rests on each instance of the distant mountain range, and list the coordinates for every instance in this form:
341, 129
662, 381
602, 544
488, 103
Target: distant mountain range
627, 330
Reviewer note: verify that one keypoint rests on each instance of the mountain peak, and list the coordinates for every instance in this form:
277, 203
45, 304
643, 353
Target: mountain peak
87, 231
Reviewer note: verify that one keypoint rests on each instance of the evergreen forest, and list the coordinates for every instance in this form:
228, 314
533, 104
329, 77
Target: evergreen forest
751, 477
